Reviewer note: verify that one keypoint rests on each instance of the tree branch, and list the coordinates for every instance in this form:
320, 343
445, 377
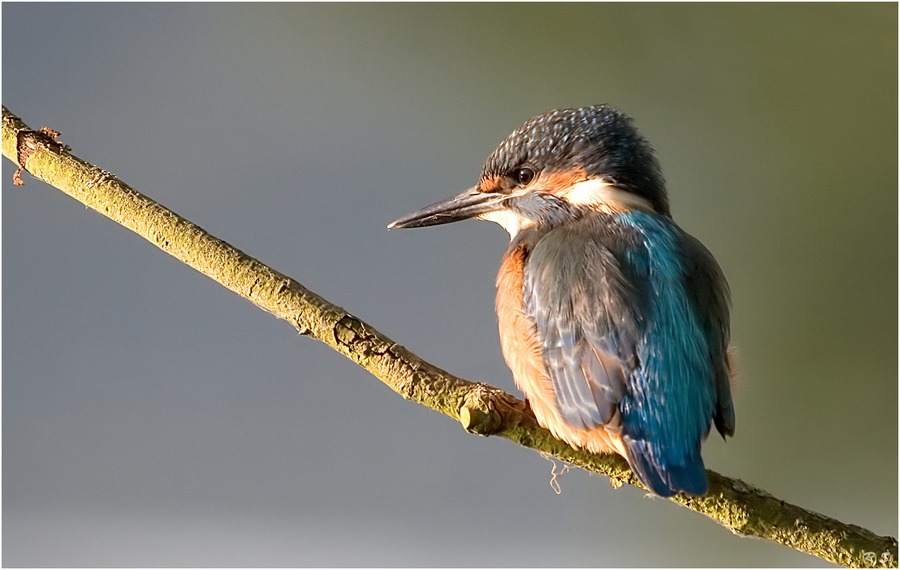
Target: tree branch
480, 408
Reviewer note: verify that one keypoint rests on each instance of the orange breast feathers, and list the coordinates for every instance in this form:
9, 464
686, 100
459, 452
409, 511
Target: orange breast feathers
522, 351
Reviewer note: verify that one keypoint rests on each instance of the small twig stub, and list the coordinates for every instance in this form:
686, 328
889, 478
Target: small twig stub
28, 141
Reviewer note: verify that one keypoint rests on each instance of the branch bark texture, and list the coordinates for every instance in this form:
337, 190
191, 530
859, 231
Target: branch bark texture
480, 408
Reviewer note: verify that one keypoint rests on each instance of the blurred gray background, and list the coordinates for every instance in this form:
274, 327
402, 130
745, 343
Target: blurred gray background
152, 418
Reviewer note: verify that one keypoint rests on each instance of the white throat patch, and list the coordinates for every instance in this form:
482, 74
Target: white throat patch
512, 222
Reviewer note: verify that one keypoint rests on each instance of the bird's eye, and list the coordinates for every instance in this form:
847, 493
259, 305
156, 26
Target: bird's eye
524, 176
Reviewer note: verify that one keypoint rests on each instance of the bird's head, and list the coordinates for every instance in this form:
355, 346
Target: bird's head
556, 167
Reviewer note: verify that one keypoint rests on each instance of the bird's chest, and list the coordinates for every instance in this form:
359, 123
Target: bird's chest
518, 334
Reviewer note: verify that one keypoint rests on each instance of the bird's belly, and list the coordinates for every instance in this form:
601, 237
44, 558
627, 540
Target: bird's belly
518, 340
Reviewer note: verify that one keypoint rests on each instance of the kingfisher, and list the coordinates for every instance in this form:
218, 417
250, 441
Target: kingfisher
613, 320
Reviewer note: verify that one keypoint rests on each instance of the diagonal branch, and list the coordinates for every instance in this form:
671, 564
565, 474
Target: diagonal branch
480, 408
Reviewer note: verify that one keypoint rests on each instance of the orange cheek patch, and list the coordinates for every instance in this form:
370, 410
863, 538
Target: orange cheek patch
556, 181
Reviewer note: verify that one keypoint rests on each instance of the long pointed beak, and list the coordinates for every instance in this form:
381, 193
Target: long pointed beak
467, 205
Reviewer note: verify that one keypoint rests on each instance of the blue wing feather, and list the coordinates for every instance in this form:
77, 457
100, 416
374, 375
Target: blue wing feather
627, 346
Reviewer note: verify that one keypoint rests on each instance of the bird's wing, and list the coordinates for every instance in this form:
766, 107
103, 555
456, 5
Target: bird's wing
709, 292
584, 311
627, 347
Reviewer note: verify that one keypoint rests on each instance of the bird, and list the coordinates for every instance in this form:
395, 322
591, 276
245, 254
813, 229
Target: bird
613, 320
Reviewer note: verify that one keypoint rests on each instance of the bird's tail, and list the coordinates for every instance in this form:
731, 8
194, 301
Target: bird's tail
663, 476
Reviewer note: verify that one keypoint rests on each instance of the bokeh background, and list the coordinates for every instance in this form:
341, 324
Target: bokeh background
152, 418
